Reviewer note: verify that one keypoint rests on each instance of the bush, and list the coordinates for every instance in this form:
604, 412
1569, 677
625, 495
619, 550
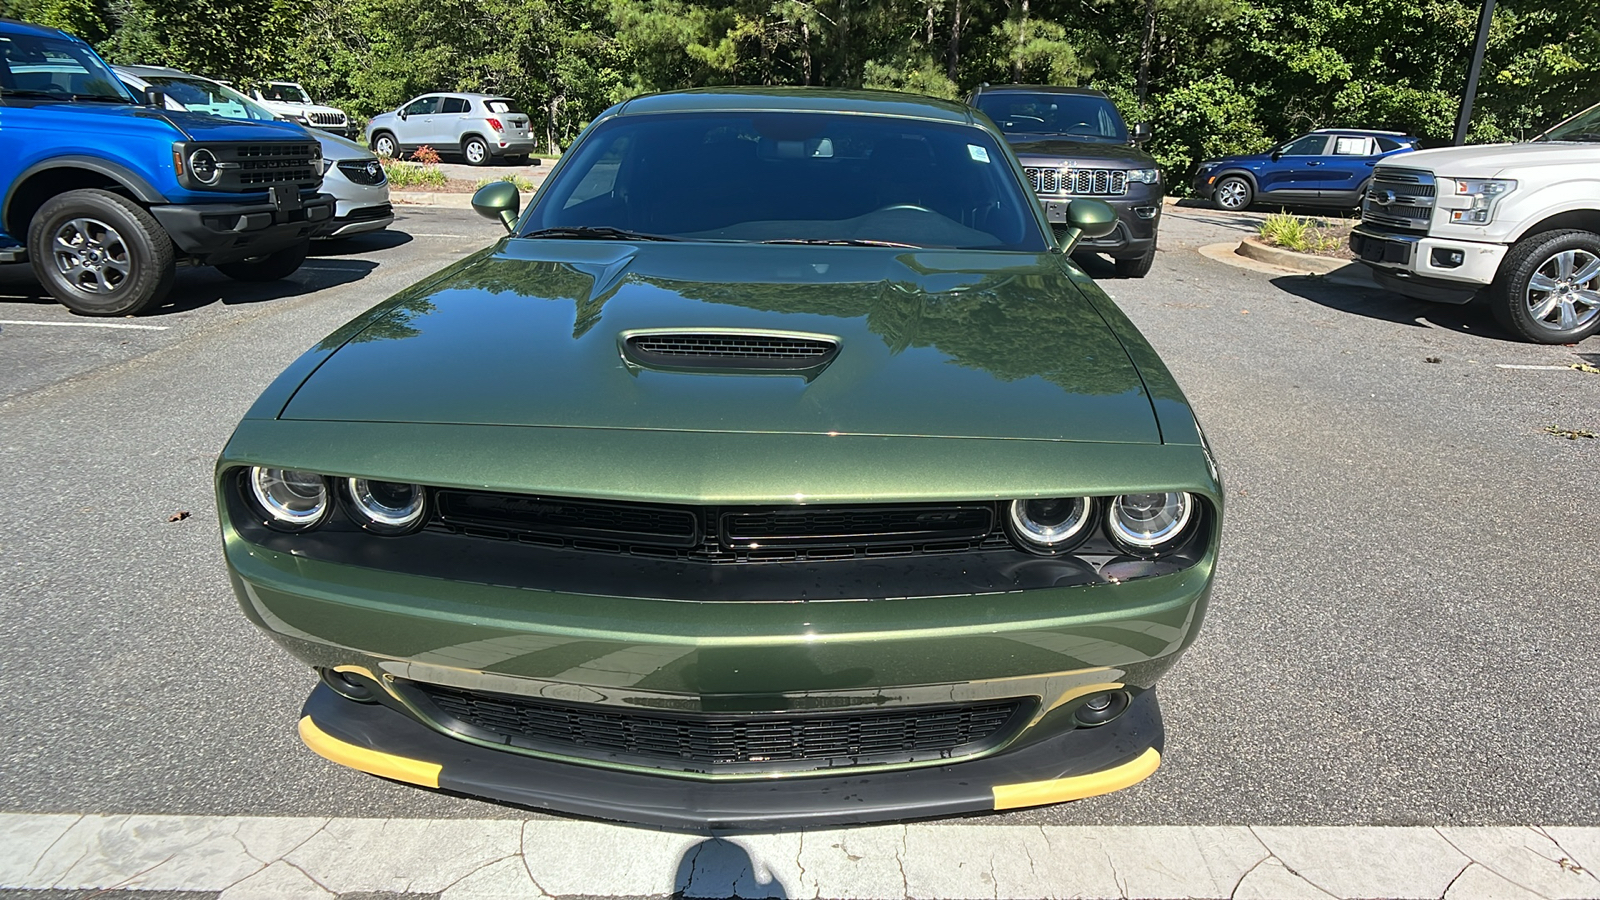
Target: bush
425, 155
524, 184
1296, 233
410, 175
1203, 119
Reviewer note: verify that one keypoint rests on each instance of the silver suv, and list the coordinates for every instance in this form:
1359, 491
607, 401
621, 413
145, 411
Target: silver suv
480, 127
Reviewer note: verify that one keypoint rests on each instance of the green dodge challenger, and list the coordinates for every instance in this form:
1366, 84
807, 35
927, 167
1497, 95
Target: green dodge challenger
778, 468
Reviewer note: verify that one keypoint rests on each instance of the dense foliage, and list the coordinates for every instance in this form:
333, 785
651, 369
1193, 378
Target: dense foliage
1212, 76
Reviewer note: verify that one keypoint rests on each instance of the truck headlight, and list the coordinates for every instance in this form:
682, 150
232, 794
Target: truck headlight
1483, 194
1147, 176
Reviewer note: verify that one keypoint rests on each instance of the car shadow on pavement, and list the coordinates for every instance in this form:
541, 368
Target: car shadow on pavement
717, 867
1471, 318
204, 287
361, 243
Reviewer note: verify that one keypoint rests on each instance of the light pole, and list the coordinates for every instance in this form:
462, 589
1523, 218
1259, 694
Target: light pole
1465, 119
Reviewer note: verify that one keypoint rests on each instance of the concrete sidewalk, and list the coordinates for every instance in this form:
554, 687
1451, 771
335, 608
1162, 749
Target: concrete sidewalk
236, 858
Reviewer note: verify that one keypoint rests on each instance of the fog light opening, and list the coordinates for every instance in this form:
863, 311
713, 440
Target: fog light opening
1098, 709
1447, 258
348, 686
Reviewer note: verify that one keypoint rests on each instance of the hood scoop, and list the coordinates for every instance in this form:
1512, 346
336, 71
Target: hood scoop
713, 351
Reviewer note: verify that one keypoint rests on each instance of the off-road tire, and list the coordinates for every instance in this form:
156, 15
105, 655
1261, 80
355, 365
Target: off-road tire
272, 267
146, 253
1135, 266
1508, 295
475, 150
379, 140
1244, 191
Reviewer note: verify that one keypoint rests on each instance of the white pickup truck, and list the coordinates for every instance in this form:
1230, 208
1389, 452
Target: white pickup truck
1519, 223
290, 100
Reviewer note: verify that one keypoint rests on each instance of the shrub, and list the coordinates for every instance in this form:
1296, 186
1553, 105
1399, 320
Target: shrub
425, 155
410, 175
1296, 233
524, 184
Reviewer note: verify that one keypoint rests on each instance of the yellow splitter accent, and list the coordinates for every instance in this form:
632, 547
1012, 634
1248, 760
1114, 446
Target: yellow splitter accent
385, 765
1060, 790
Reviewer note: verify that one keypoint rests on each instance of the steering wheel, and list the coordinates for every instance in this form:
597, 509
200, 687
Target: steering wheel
910, 206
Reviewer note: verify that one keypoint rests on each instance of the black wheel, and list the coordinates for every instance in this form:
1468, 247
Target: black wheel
271, 267
100, 253
1233, 194
1135, 266
384, 144
1548, 287
476, 150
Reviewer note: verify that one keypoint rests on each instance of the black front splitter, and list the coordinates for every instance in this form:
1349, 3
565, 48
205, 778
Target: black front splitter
378, 739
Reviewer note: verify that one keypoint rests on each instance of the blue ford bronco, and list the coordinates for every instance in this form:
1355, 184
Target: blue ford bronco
106, 193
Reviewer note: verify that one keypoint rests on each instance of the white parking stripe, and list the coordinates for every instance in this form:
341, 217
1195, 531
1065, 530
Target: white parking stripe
84, 324
466, 859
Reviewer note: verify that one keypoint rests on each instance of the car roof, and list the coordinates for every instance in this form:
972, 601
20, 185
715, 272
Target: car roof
1035, 89
1364, 132
467, 94
12, 26
799, 99
164, 71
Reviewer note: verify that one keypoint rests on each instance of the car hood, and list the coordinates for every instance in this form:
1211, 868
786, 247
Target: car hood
1236, 160
1490, 160
1066, 149
932, 343
192, 125
337, 148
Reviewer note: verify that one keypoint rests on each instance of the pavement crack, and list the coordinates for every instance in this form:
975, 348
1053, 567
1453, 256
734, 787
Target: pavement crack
1122, 887
522, 847
466, 875
1288, 868
900, 858
238, 827
284, 856
309, 876
1470, 863
798, 853
1567, 860
1247, 872
53, 844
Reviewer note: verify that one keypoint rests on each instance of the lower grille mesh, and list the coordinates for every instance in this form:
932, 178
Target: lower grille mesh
750, 742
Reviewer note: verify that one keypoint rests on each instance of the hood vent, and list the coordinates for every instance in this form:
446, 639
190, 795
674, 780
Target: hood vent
712, 351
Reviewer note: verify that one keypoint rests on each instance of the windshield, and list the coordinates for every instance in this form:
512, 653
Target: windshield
792, 177
1080, 116
200, 95
1583, 128
33, 66
283, 92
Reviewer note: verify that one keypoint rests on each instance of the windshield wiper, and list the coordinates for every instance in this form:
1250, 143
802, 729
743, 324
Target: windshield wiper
843, 242
57, 95
1584, 137
598, 233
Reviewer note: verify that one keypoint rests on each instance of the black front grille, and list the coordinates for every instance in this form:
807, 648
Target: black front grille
363, 171
722, 534
728, 742
258, 166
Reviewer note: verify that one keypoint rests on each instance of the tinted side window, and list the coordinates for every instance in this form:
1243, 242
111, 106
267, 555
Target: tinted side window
1385, 145
454, 105
1310, 145
423, 107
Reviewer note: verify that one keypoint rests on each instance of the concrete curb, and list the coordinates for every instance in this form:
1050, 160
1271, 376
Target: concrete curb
1258, 257
440, 200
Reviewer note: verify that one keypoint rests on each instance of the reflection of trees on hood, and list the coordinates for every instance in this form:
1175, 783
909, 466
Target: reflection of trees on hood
544, 280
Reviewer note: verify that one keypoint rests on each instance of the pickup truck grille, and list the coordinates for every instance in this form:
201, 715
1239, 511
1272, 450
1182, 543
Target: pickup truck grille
1080, 182
1400, 198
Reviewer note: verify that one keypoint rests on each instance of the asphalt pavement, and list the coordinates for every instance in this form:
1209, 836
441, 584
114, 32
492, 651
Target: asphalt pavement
1402, 630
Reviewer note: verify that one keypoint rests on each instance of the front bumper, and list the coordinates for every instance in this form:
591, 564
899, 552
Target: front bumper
215, 233
1138, 220
1427, 260
356, 220
1072, 765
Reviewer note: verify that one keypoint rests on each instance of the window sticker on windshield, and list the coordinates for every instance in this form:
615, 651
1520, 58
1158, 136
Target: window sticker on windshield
978, 153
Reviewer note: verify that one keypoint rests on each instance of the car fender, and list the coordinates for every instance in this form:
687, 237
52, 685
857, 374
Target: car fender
1248, 175
136, 184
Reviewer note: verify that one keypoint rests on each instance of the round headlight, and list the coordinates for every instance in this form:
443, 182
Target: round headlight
293, 500
203, 166
1052, 524
1149, 521
388, 507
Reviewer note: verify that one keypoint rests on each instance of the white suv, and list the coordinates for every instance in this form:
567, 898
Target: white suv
478, 126
290, 100
1520, 222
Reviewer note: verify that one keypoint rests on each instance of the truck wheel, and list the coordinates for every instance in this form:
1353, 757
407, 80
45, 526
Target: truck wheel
476, 150
100, 253
1548, 287
1232, 194
271, 267
1135, 266
384, 145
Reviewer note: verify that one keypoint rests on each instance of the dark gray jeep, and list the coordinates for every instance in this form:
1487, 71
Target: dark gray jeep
1073, 143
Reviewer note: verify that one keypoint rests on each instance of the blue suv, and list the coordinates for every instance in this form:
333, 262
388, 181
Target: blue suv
106, 195
1329, 167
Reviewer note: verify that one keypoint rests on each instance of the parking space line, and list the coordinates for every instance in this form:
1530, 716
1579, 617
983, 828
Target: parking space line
126, 325
465, 858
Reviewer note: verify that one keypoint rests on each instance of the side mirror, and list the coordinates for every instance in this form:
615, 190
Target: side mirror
1277, 154
1087, 218
501, 201
155, 97
400, 114
1142, 132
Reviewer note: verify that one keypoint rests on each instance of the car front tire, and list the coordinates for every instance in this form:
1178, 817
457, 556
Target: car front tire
1548, 288
100, 254
1233, 194
272, 267
384, 144
476, 151
1135, 266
